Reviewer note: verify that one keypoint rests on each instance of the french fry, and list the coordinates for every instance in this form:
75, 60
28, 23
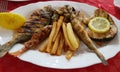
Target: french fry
59, 24
50, 44
60, 47
43, 46
71, 37
69, 54
55, 45
66, 36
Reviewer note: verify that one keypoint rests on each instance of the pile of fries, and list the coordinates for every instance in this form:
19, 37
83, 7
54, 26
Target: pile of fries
62, 38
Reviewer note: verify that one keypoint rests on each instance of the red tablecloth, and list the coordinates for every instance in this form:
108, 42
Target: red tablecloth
11, 64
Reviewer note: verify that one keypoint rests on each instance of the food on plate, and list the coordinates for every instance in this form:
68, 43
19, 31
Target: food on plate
60, 30
43, 45
69, 54
55, 30
34, 41
59, 24
18, 37
57, 46
109, 34
11, 20
61, 46
36, 22
71, 37
82, 33
67, 42
79, 28
50, 39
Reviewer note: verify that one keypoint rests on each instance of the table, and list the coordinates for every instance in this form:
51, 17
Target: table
12, 64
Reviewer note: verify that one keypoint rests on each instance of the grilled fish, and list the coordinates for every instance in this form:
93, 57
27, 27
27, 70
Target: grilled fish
109, 35
37, 20
83, 35
35, 40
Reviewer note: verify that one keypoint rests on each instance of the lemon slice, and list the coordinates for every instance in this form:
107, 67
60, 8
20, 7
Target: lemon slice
11, 20
99, 25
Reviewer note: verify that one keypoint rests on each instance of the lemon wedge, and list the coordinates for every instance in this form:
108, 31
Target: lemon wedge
99, 24
11, 21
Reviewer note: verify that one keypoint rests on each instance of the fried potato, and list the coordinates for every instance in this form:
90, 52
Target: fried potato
59, 40
69, 54
55, 45
72, 38
50, 44
60, 46
59, 24
66, 36
43, 46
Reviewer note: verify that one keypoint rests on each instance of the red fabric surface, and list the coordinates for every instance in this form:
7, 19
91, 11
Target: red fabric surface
12, 64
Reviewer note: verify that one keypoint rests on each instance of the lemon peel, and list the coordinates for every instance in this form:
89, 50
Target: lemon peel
11, 21
99, 24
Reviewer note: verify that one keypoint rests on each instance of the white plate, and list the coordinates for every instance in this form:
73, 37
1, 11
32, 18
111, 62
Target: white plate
82, 57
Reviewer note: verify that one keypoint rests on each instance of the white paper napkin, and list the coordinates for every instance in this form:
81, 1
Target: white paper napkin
117, 3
